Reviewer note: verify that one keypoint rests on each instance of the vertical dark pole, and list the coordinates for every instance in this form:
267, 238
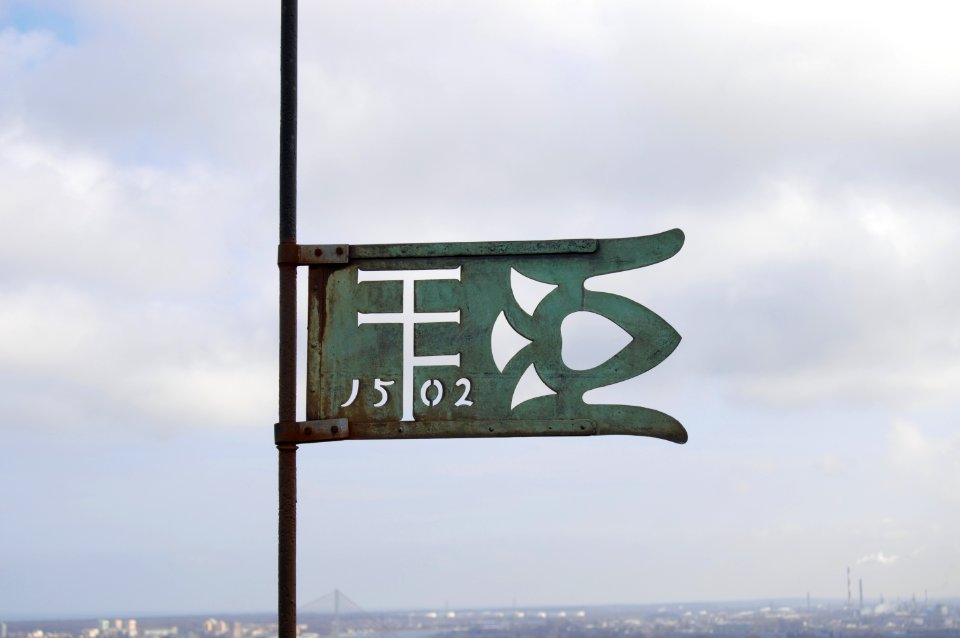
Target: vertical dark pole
288, 121
287, 475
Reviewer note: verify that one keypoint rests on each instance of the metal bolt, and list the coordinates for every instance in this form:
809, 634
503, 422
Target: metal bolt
339, 250
335, 429
317, 252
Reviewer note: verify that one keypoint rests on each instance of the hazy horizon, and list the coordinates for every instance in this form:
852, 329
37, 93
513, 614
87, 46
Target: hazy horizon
758, 603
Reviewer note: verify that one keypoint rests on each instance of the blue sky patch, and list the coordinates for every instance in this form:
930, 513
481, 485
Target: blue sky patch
40, 16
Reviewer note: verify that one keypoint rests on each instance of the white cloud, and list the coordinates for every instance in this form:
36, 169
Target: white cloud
879, 558
833, 465
795, 297
911, 447
147, 364
923, 458
132, 291
19, 50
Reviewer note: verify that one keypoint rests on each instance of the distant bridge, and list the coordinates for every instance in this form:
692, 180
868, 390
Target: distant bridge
335, 604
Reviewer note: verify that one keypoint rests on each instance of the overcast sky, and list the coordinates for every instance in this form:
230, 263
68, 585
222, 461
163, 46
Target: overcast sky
809, 150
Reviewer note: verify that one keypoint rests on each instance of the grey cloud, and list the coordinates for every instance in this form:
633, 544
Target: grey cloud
809, 159
644, 119
158, 85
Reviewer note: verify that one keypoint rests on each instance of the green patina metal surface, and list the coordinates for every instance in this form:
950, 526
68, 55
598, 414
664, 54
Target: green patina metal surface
400, 339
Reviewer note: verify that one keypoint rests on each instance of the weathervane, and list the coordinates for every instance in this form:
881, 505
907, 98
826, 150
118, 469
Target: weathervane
446, 340
464, 340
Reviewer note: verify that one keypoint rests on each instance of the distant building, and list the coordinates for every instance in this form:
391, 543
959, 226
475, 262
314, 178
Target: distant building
214, 627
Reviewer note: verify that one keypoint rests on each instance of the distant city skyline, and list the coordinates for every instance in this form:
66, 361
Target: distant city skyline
772, 618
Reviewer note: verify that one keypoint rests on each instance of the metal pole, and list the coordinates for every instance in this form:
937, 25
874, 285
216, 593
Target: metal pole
287, 453
288, 121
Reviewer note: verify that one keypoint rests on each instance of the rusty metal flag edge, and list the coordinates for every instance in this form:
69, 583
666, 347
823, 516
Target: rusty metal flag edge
643, 422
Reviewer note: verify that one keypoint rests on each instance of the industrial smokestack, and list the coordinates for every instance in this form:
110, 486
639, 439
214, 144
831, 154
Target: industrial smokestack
849, 591
861, 594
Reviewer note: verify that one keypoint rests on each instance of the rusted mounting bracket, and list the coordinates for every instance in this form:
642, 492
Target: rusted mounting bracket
311, 431
290, 254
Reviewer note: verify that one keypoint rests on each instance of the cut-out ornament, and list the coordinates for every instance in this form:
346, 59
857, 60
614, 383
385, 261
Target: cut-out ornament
464, 340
